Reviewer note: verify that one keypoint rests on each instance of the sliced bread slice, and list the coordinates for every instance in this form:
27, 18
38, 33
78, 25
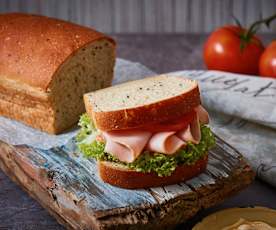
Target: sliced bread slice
141, 102
120, 176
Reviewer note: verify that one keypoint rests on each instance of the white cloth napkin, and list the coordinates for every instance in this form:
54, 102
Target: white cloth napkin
242, 109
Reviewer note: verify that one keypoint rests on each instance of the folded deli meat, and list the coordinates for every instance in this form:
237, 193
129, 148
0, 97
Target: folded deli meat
127, 145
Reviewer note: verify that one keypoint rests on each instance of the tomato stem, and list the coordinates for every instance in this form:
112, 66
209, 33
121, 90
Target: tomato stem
255, 26
248, 34
237, 21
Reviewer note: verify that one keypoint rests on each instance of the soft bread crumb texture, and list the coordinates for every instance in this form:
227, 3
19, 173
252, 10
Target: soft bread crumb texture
139, 93
91, 68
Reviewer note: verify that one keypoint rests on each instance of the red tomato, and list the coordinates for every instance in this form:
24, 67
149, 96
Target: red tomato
222, 51
267, 65
172, 125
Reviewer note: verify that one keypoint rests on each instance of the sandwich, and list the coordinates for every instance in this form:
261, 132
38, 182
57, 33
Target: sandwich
146, 133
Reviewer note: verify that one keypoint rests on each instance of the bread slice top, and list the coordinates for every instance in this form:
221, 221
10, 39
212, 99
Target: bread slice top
141, 102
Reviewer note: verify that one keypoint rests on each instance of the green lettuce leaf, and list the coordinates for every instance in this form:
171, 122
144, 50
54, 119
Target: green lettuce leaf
86, 127
88, 131
162, 164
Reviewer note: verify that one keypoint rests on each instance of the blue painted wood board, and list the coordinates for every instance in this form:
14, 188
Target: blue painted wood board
68, 186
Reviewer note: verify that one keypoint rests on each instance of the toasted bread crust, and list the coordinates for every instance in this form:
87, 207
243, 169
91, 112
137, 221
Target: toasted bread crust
168, 109
133, 180
40, 117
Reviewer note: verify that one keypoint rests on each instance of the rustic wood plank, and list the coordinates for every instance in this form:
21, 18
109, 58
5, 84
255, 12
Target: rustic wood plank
166, 193
68, 169
267, 8
150, 21
127, 16
150, 16
164, 16
181, 16
68, 186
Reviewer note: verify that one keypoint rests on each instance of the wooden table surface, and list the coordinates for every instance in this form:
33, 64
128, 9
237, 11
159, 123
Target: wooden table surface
161, 53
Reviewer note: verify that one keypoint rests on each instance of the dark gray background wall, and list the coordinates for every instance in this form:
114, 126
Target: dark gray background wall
148, 16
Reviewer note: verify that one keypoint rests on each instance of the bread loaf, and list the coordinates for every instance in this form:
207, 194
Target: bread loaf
46, 65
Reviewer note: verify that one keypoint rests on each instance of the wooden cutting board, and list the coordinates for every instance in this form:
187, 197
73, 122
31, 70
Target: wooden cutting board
68, 186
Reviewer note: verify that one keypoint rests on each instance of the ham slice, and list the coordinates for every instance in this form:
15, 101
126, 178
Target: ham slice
202, 114
126, 145
165, 142
192, 133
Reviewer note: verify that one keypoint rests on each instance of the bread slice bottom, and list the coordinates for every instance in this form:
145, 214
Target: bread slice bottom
121, 176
